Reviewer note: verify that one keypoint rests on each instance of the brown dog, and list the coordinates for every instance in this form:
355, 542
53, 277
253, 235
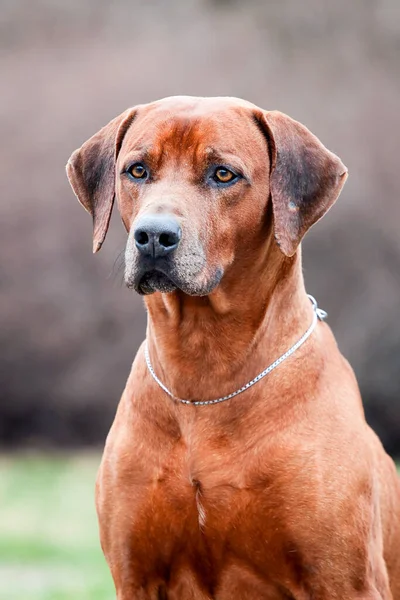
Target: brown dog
279, 492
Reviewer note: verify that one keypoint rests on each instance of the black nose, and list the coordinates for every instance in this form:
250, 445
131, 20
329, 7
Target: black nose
157, 235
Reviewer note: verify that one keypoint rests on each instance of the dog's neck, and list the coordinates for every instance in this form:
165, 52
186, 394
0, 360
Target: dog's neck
206, 347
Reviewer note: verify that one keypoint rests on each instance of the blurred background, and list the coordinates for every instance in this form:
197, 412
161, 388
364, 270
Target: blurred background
69, 329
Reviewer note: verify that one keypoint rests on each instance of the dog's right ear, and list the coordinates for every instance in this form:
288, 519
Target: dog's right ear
91, 173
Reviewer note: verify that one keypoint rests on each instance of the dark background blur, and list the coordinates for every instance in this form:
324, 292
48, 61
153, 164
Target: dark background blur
69, 328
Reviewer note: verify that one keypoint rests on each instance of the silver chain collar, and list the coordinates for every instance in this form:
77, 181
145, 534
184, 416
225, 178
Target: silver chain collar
318, 314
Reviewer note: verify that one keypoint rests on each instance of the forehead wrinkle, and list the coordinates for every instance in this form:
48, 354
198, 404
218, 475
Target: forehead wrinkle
182, 133
179, 140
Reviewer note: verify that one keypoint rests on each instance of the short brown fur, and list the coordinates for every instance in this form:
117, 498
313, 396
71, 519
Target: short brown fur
282, 492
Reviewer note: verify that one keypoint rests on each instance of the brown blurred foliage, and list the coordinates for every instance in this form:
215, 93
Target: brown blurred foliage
69, 329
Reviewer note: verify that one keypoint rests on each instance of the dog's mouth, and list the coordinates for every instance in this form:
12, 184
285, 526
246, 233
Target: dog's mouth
157, 281
165, 276
154, 281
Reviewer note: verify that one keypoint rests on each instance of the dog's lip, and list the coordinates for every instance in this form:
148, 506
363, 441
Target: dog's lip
157, 267
151, 272
146, 276
165, 268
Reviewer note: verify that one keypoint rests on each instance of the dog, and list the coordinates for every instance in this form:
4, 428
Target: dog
239, 464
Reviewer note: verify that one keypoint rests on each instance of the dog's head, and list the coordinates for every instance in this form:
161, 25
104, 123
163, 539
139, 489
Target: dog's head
194, 180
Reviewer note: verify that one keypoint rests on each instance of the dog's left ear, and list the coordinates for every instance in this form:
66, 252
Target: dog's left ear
305, 179
91, 173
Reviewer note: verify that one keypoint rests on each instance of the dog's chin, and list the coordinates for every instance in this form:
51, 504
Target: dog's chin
156, 281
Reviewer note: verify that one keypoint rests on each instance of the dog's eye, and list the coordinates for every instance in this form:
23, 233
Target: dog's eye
137, 171
223, 175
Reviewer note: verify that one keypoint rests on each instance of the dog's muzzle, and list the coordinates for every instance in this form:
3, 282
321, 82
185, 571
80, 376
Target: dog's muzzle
155, 239
160, 258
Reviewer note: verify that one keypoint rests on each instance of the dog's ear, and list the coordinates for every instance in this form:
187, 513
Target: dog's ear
91, 173
305, 178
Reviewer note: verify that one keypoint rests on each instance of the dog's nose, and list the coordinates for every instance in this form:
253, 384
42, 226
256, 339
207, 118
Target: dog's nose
157, 235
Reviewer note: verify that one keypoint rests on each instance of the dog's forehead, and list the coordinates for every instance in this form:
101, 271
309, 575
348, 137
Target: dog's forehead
191, 122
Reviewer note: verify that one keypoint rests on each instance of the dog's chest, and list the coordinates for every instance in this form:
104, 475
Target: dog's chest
215, 517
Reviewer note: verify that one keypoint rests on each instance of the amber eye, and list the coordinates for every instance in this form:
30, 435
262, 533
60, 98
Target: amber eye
138, 171
223, 175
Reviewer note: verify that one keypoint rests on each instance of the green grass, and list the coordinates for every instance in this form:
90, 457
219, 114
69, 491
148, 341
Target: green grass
49, 546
